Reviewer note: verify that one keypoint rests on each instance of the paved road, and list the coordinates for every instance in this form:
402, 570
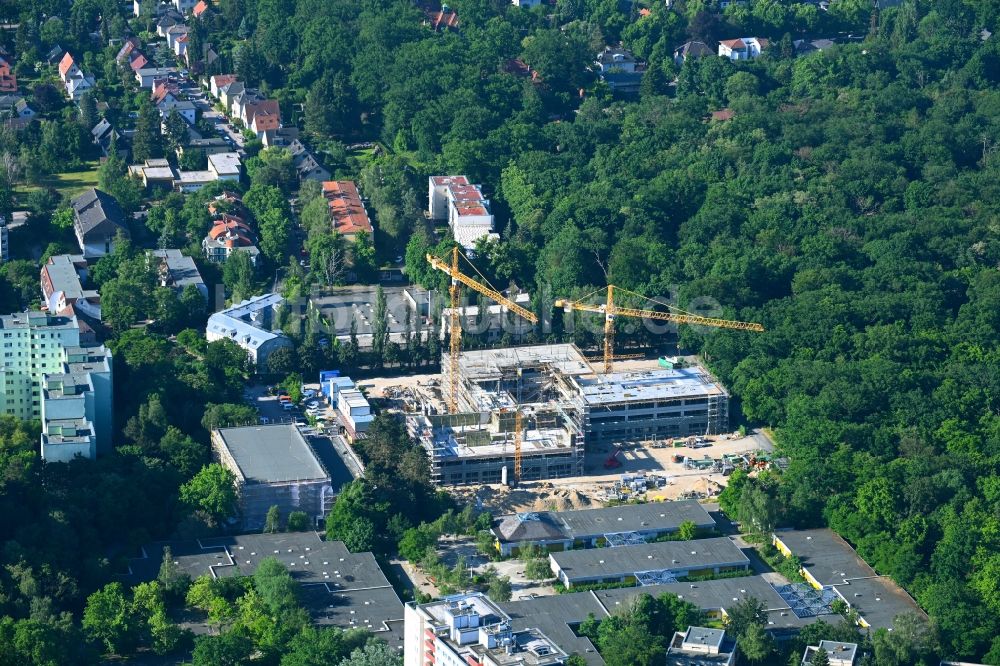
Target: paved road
204, 102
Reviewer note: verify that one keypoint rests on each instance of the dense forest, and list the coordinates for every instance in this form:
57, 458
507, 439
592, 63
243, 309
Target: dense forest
849, 202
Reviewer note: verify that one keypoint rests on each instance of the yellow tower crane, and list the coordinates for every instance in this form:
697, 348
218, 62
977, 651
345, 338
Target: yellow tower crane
459, 278
611, 311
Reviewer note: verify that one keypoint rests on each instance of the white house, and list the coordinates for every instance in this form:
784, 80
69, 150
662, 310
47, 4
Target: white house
218, 82
180, 46
173, 34
225, 166
78, 85
744, 48
183, 107
148, 75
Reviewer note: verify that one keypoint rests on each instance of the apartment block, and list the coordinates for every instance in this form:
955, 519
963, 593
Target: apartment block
49, 377
77, 406
455, 199
469, 629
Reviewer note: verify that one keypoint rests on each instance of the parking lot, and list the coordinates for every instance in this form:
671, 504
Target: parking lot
332, 450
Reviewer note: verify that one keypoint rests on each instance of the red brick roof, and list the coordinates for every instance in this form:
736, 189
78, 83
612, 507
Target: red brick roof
161, 89
450, 180
199, 8
346, 208
232, 231
723, 114
138, 62
445, 19
222, 80
267, 107
734, 44
264, 116
66, 64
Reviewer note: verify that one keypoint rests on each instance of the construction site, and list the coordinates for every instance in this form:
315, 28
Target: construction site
541, 413
548, 402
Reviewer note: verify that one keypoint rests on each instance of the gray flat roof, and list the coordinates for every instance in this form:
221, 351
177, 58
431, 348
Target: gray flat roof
715, 595
62, 273
597, 563
878, 600
825, 555
272, 454
589, 523
660, 384
362, 593
553, 617
653, 516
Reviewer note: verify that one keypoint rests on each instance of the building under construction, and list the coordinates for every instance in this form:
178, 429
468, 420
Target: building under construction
565, 409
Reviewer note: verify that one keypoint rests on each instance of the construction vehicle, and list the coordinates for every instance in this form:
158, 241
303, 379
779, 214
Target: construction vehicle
611, 311
459, 278
612, 461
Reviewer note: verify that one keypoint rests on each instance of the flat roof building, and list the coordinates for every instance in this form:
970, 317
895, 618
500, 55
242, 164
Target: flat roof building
652, 404
470, 628
831, 565
661, 561
355, 305
700, 646
225, 166
838, 653
77, 404
273, 466
338, 588
584, 528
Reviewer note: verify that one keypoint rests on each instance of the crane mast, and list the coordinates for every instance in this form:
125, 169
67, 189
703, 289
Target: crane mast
458, 278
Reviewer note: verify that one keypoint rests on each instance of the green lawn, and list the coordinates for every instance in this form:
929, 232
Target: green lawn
68, 183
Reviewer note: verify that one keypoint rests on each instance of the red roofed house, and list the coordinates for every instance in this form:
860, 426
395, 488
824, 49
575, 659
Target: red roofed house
644, 12
200, 8
68, 68
220, 81
164, 91
346, 208
262, 116
8, 82
745, 48
130, 45
137, 62
444, 19
227, 235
